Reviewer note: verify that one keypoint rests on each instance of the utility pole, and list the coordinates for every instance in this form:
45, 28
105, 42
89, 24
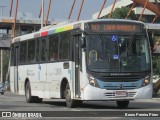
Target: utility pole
42, 16
2, 6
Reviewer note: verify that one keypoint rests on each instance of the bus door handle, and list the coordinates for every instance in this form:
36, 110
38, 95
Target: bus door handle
66, 65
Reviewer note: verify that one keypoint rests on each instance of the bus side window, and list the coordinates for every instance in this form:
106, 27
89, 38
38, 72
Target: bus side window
53, 47
64, 46
37, 50
31, 51
43, 49
23, 52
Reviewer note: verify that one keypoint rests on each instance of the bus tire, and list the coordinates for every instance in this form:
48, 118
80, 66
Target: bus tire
29, 97
37, 99
122, 104
70, 103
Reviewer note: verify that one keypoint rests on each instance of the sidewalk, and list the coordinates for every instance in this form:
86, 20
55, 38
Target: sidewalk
157, 98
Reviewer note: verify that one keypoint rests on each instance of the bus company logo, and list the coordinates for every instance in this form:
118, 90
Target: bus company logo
21, 114
6, 114
120, 86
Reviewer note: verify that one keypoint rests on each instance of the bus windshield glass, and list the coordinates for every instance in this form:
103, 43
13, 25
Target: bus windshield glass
117, 53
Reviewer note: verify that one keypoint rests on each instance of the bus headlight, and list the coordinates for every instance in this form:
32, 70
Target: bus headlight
146, 81
92, 81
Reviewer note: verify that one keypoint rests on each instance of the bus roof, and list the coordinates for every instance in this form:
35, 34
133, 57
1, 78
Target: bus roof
64, 26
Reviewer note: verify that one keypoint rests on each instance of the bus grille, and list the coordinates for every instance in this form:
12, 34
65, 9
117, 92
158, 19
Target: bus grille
120, 85
112, 95
120, 78
117, 87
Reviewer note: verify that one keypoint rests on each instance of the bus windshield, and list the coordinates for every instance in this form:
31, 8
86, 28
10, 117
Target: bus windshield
117, 53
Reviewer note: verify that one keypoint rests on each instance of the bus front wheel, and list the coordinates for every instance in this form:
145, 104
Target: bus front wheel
122, 104
29, 97
69, 102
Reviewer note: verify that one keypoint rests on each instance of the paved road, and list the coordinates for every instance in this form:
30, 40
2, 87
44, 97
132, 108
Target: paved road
98, 110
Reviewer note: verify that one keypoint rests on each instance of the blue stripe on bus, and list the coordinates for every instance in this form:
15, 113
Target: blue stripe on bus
70, 73
51, 32
115, 85
39, 69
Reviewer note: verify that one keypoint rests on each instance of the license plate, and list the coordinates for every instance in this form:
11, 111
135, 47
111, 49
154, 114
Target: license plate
121, 93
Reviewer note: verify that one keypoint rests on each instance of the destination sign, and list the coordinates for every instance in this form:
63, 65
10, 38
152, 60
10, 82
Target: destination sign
101, 27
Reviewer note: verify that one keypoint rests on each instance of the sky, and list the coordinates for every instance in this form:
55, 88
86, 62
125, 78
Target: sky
59, 8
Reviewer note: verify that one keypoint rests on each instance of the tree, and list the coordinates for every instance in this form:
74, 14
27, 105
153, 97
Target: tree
5, 64
156, 65
156, 60
121, 13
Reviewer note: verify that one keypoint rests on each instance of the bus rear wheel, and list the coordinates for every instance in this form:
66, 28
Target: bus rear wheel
69, 102
37, 99
122, 104
29, 97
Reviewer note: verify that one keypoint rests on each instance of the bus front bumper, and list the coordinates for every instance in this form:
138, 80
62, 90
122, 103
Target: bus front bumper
93, 93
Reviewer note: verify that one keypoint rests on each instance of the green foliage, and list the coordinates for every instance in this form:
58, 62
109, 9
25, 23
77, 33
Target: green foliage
156, 60
156, 65
5, 63
121, 13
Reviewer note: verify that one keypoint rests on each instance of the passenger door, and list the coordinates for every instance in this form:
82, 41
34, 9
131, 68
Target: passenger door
43, 54
77, 59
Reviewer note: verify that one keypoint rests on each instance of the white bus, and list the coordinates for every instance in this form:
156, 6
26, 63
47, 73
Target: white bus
92, 60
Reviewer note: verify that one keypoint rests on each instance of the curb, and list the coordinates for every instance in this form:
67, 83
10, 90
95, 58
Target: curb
156, 98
